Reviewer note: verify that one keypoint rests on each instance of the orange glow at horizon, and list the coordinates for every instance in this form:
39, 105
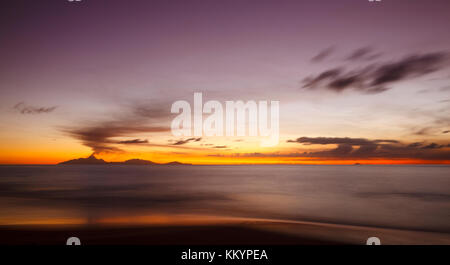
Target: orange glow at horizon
46, 152
51, 158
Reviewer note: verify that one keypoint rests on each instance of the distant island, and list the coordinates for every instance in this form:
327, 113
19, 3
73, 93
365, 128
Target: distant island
92, 160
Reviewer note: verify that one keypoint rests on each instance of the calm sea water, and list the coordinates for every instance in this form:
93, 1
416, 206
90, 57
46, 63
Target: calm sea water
407, 197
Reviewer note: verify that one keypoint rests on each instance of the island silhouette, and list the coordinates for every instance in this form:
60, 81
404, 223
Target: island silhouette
92, 160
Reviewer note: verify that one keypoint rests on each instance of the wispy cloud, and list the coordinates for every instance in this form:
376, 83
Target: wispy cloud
134, 141
23, 108
220, 146
181, 142
322, 54
338, 140
363, 54
434, 146
423, 131
376, 78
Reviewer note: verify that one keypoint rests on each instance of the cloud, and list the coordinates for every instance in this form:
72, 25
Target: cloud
415, 145
345, 146
220, 146
364, 53
415, 65
376, 78
22, 108
365, 148
423, 131
323, 54
337, 140
181, 142
434, 146
134, 141
100, 136
331, 74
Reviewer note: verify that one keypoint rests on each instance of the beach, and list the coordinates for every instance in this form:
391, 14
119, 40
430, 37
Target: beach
231, 233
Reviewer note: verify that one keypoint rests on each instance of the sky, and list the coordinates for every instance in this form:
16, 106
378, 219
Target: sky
357, 81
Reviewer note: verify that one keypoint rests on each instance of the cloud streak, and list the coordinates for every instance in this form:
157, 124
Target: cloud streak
23, 108
134, 141
376, 78
337, 140
182, 142
363, 54
378, 148
322, 55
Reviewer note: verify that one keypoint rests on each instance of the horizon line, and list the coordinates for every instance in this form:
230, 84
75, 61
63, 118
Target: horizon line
446, 163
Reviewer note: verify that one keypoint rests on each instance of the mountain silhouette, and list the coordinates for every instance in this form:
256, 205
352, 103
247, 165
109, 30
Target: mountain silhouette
136, 162
92, 160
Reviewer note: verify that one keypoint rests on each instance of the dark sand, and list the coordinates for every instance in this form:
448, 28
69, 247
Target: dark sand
231, 233
151, 235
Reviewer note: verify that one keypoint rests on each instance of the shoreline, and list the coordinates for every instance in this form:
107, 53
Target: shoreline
249, 232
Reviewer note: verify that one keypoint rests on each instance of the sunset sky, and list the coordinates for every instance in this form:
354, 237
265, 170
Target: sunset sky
357, 81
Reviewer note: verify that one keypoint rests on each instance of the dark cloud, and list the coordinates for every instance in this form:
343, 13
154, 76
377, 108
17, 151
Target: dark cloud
323, 54
134, 141
26, 109
345, 146
338, 140
422, 145
446, 131
312, 82
415, 145
416, 65
181, 142
220, 146
377, 78
378, 148
434, 146
99, 136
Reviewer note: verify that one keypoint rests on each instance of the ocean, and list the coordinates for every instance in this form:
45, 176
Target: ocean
412, 197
